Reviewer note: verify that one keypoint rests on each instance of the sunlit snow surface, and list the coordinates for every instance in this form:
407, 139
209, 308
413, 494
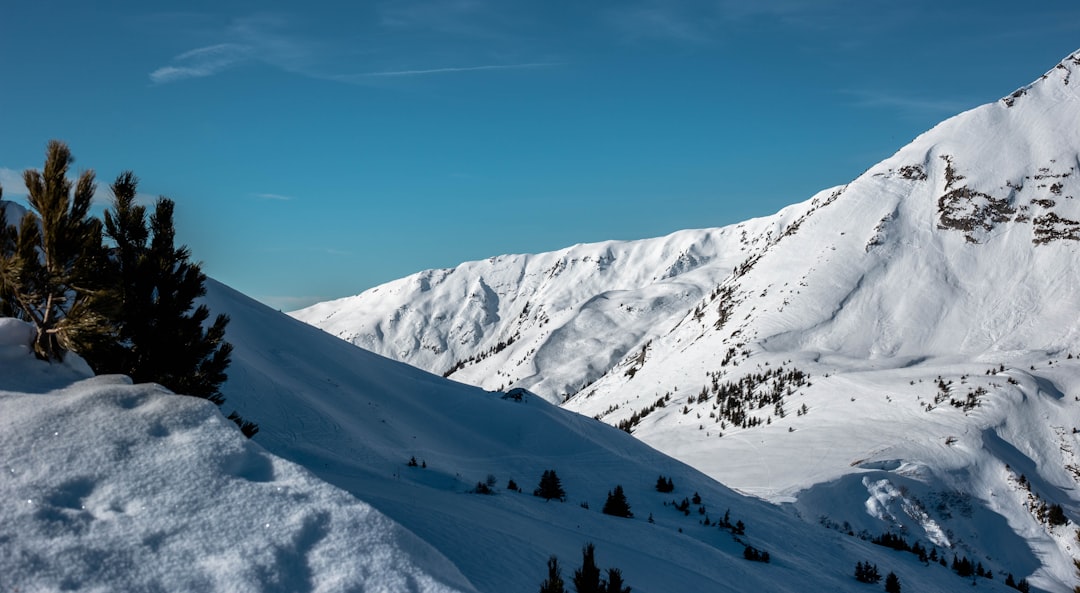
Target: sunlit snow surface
954, 258
108, 486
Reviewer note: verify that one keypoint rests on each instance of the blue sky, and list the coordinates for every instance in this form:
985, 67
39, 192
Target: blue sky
317, 149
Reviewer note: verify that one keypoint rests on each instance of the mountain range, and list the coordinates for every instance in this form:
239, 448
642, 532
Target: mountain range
899, 353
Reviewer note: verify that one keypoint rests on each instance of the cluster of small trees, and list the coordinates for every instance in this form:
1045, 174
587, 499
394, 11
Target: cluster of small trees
1022, 585
120, 294
664, 485
587, 579
867, 572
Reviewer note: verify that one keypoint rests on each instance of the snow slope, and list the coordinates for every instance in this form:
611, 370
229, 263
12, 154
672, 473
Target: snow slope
355, 419
550, 323
108, 486
944, 274
112, 486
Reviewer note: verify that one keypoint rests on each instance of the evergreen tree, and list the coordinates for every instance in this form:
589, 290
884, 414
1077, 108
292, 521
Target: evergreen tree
554, 582
664, 484
550, 486
163, 336
616, 504
1056, 515
867, 573
587, 578
615, 582
51, 266
892, 583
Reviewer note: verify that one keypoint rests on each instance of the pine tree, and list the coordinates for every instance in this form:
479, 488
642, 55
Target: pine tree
892, 583
550, 486
587, 578
615, 582
664, 484
554, 582
163, 336
51, 265
616, 504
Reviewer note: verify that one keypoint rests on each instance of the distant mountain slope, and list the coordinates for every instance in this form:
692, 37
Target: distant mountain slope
900, 350
356, 419
551, 322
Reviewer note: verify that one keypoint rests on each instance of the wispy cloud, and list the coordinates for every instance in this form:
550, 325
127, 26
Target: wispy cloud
663, 23
259, 38
204, 61
12, 182
451, 70
277, 197
462, 31
907, 104
700, 22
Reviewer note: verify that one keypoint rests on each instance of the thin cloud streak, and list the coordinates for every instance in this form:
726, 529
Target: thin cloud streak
462, 69
12, 182
201, 62
277, 197
907, 104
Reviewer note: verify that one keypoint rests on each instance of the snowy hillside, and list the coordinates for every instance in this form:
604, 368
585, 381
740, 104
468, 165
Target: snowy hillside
552, 322
112, 486
108, 486
899, 352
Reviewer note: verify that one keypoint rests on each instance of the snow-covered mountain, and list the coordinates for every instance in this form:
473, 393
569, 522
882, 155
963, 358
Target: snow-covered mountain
111, 486
899, 351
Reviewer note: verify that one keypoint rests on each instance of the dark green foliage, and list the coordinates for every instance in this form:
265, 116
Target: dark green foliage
696, 498
615, 582
249, 429
52, 266
867, 573
412, 462
482, 488
512, 485
1010, 581
684, 506
664, 484
739, 529
616, 504
163, 335
554, 582
963, 566
126, 309
755, 555
896, 542
892, 583
1056, 515
1023, 586
550, 487
587, 578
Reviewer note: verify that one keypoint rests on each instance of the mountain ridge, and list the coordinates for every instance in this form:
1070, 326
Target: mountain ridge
926, 311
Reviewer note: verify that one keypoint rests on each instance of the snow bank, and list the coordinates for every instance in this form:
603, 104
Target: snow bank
108, 486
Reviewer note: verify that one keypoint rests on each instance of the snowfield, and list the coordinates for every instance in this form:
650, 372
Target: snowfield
898, 354
108, 486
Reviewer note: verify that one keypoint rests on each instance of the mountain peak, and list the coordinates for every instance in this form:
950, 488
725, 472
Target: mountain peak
1062, 74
